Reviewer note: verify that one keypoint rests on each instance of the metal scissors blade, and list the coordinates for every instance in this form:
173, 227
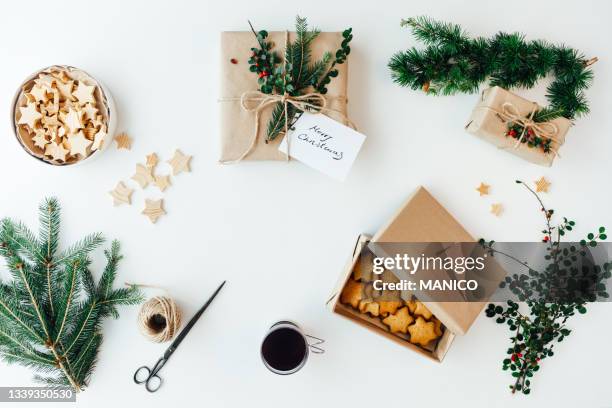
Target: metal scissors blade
191, 323
149, 376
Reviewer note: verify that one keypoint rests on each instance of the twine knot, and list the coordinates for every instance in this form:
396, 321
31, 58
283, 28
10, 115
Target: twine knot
545, 130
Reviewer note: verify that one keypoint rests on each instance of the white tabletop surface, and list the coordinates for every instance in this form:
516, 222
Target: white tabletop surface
281, 233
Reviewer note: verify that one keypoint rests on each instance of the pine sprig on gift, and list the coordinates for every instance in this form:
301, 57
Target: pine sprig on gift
552, 296
452, 62
51, 311
295, 74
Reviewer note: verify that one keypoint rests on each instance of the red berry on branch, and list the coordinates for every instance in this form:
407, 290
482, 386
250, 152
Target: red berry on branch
513, 358
261, 75
545, 239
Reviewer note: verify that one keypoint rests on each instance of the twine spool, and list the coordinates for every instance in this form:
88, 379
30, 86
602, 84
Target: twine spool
159, 319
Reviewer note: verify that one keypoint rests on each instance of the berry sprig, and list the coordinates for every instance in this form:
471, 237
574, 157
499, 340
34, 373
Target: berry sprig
529, 137
551, 296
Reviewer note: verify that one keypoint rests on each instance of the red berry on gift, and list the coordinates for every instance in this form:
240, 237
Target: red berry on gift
261, 75
530, 131
520, 355
512, 132
513, 358
538, 359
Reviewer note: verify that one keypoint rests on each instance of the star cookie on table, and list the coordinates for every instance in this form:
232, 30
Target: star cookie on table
123, 141
152, 160
56, 151
399, 322
121, 194
542, 185
179, 162
483, 189
162, 182
84, 93
497, 209
79, 144
29, 115
422, 332
153, 209
143, 175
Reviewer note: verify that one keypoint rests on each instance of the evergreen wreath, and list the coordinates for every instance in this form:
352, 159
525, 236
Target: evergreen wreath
51, 311
551, 296
296, 74
452, 63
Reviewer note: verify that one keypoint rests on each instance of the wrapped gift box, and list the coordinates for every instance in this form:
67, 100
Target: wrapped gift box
488, 124
237, 125
421, 219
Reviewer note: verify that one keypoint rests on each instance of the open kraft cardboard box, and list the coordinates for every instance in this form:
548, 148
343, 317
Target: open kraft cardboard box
420, 219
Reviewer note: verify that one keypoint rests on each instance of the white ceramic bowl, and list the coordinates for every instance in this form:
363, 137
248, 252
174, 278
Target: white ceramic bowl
107, 105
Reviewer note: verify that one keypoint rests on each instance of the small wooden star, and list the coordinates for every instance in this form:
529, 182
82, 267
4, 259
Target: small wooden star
65, 89
179, 163
483, 189
90, 111
497, 209
542, 185
40, 139
29, 115
84, 93
151, 160
162, 182
143, 175
123, 141
153, 209
121, 194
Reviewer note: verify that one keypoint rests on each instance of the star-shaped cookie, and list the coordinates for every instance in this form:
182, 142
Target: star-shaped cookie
154, 209
542, 185
422, 332
84, 93
56, 151
121, 194
179, 162
79, 144
399, 322
352, 293
29, 115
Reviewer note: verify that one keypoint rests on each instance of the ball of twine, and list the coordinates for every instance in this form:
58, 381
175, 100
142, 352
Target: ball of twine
159, 319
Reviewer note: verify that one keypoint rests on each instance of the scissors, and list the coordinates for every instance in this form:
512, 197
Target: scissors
149, 376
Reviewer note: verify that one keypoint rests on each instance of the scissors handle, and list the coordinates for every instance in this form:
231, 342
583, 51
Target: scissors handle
149, 377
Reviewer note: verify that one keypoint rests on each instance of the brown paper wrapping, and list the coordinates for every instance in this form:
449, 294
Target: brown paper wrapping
237, 125
423, 219
487, 125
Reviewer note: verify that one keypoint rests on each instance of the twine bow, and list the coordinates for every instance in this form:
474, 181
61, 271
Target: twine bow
545, 130
256, 101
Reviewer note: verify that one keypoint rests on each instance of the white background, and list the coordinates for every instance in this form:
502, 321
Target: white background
281, 233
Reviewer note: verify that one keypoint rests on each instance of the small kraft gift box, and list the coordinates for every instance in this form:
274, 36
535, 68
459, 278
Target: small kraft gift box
420, 220
245, 112
507, 121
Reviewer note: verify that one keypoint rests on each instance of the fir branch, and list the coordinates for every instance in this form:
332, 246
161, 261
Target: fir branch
81, 248
454, 63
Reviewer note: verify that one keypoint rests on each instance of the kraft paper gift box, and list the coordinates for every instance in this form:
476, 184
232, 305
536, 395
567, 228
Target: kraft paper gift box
489, 121
421, 219
238, 125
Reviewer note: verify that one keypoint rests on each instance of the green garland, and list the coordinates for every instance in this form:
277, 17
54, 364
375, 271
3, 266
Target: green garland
295, 74
452, 62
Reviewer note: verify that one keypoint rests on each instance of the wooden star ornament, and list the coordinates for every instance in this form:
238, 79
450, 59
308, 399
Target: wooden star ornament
29, 115
121, 194
84, 93
151, 160
483, 189
143, 175
79, 144
542, 185
154, 209
497, 209
123, 141
179, 162
162, 182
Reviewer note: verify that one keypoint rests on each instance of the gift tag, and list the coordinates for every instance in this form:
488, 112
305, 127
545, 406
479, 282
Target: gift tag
323, 144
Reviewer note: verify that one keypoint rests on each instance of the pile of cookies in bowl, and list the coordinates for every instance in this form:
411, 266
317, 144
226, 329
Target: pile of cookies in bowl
62, 115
